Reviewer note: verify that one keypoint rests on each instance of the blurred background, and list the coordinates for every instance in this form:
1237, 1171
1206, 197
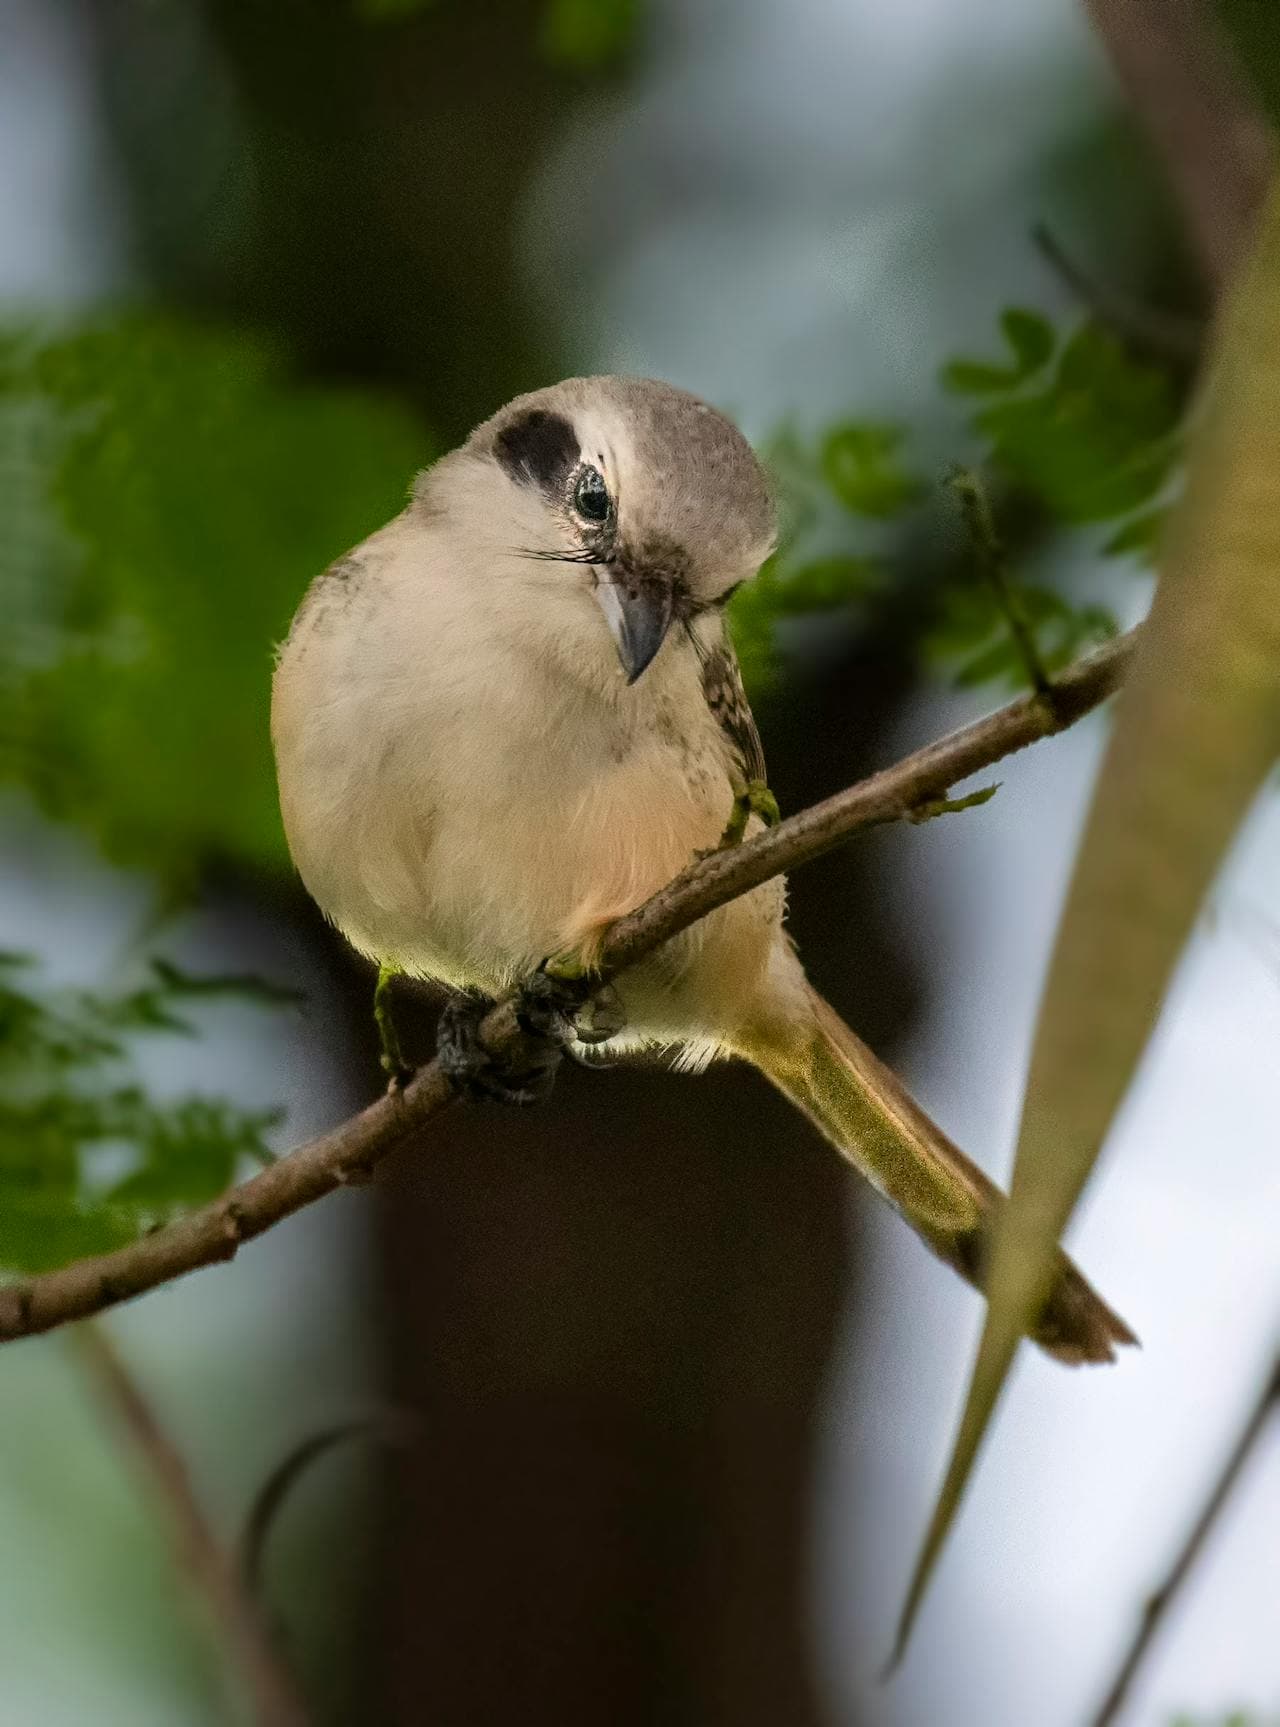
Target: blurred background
649, 1399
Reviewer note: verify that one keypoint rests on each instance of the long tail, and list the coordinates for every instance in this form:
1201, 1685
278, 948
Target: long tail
862, 1107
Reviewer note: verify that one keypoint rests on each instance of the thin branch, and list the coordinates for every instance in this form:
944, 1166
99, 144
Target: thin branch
347, 1154
389, 1428
1167, 337
212, 1571
1197, 107
975, 507
1266, 1405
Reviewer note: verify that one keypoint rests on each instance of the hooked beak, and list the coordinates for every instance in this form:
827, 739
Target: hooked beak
638, 613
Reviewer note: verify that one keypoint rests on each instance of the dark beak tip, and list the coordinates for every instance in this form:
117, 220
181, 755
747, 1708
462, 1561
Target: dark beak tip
639, 618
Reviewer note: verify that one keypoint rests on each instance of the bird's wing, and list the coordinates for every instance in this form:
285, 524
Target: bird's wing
725, 696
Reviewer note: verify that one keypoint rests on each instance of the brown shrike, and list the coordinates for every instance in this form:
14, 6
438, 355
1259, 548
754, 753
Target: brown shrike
514, 713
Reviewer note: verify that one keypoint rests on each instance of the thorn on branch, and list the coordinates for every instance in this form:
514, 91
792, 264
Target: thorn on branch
235, 1226
934, 807
354, 1174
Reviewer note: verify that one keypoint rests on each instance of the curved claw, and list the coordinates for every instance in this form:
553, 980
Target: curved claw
550, 1003
600, 1018
569, 1008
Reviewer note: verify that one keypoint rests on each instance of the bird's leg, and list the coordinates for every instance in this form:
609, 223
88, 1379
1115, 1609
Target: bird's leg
476, 1072
394, 1065
755, 799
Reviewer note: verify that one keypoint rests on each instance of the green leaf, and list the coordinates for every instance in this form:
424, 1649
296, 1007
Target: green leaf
1094, 437
1000, 660
190, 1153
161, 525
589, 35
861, 463
825, 583
971, 639
1139, 537
1197, 733
68, 1093
1095, 441
1030, 336
978, 378
783, 589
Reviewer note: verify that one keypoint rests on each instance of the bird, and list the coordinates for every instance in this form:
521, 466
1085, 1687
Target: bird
512, 714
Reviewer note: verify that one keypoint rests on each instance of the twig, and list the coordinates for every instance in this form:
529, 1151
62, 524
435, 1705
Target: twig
1157, 1607
212, 1571
1160, 335
390, 1428
975, 506
347, 1154
1178, 68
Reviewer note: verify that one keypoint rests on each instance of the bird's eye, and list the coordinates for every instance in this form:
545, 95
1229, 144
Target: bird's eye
591, 496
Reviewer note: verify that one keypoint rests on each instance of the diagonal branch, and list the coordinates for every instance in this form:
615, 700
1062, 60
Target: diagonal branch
1169, 338
1258, 1420
347, 1154
211, 1569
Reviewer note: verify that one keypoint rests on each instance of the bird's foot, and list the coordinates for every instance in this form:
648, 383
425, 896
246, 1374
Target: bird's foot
391, 1058
755, 799
476, 1072
566, 1005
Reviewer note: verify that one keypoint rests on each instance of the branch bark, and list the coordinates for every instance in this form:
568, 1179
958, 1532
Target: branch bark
348, 1154
211, 1569
1265, 1406
1195, 103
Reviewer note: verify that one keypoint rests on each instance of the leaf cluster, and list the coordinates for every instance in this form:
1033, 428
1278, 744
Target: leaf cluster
1072, 425
855, 473
1086, 428
582, 36
167, 491
88, 1158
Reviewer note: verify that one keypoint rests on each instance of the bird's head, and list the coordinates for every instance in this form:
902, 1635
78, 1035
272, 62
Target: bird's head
628, 490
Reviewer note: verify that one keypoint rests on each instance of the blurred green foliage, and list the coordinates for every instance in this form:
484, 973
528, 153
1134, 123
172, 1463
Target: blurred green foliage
1077, 426
169, 491
578, 35
1236, 1718
1084, 426
1254, 27
973, 643
589, 35
88, 1158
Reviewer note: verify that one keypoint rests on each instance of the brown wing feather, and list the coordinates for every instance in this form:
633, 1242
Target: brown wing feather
722, 686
